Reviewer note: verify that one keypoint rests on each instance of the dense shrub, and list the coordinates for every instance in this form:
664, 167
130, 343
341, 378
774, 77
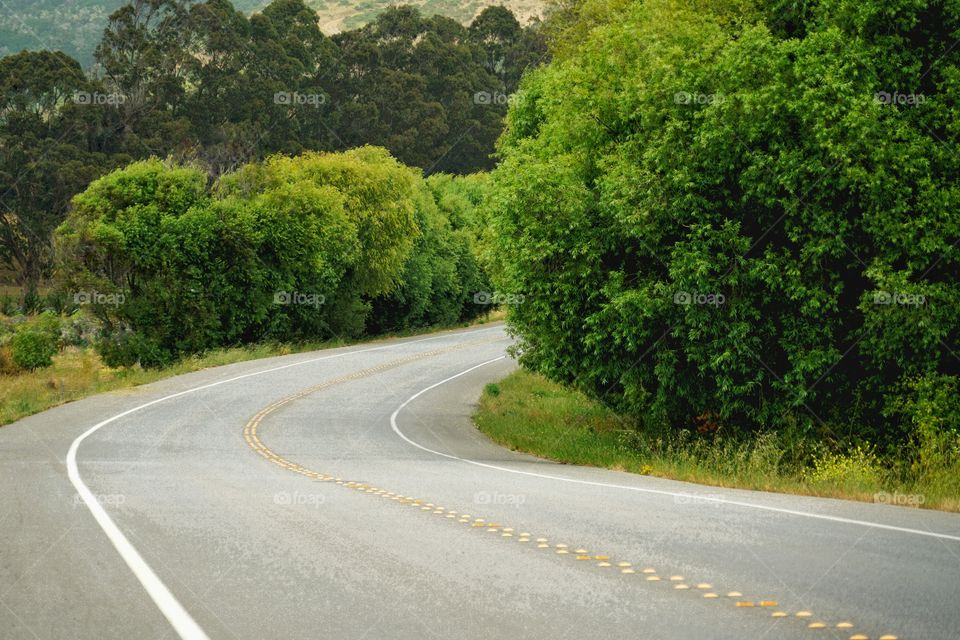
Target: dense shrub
287, 249
32, 349
443, 272
709, 219
127, 349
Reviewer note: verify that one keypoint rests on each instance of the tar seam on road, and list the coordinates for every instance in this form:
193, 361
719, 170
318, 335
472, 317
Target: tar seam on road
181, 620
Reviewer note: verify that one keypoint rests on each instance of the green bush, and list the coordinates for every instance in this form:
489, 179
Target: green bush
708, 218
442, 273
311, 247
859, 468
931, 406
47, 322
79, 329
32, 349
9, 305
129, 349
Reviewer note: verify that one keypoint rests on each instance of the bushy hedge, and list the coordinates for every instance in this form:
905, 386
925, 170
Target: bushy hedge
443, 274
291, 248
32, 349
715, 223
28, 343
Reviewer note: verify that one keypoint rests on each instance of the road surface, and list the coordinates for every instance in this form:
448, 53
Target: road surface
345, 494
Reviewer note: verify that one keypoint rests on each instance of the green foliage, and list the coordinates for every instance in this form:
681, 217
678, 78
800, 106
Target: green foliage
32, 349
378, 204
858, 468
74, 27
435, 279
708, 219
443, 272
204, 84
45, 159
311, 247
931, 406
129, 349
527, 412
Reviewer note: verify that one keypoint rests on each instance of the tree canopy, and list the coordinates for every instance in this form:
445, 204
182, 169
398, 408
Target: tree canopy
207, 85
717, 215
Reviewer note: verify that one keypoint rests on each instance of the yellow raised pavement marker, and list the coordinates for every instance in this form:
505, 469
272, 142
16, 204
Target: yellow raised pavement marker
602, 561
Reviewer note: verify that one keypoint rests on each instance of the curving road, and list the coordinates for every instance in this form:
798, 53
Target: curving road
344, 494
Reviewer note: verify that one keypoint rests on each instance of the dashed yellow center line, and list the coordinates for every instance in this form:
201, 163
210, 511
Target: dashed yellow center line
601, 561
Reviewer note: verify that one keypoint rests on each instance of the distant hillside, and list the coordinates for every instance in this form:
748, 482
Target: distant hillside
75, 26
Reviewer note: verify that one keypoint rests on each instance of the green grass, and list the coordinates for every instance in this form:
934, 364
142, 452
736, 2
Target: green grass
526, 412
78, 373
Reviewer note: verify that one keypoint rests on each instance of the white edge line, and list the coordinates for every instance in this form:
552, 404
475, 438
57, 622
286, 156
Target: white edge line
749, 505
184, 624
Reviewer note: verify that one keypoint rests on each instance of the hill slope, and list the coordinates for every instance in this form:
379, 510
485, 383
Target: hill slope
75, 26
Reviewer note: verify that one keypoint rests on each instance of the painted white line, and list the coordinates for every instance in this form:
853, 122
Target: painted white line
735, 503
185, 626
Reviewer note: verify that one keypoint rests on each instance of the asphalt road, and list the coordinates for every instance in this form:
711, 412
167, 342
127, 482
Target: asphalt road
344, 494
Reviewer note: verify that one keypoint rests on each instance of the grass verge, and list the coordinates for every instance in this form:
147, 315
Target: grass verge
526, 412
78, 372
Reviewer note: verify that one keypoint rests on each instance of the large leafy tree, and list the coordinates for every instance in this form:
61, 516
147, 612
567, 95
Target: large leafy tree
708, 218
143, 59
293, 247
204, 84
197, 268
410, 84
45, 156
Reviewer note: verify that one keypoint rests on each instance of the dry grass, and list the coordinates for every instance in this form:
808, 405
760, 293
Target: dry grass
79, 373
